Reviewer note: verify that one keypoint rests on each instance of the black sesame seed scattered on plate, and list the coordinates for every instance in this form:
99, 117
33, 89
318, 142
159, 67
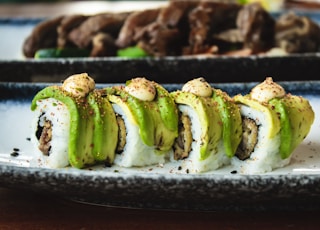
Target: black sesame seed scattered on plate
234, 172
14, 154
16, 149
28, 139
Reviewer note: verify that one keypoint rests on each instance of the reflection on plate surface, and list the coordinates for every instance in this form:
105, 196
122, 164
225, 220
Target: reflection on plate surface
160, 186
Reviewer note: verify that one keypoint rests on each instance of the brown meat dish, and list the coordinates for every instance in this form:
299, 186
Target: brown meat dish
206, 21
181, 27
103, 45
108, 23
297, 34
44, 35
68, 23
134, 23
256, 27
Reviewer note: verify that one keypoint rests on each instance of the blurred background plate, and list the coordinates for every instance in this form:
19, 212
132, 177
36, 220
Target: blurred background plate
18, 20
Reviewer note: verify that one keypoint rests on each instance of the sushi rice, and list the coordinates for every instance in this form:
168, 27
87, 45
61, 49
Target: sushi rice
58, 114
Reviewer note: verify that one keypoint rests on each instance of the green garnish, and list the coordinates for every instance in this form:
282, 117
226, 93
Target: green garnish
242, 1
61, 53
132, 52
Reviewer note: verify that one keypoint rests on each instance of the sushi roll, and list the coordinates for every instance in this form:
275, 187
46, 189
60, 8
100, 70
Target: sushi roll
74, 124
274, 124
147, 118
209, 127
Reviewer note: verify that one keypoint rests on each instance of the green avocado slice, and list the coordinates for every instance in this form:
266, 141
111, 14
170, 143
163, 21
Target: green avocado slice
286, 131
81, 123
300, 116
105, 130
168, 108
81, 145
231, 121
166, 119
211, 124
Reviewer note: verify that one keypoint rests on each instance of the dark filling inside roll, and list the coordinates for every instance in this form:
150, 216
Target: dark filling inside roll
44, 135
122, 134
182, 145
249, 138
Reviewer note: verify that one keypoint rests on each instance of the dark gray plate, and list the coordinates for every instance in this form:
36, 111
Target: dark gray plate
166, 70
295, 187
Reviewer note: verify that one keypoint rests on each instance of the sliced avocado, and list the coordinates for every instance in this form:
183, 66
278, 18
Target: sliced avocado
80, 148
211, 124
271, 116
301, 117
81, 123
163, 137
243, 1
286, 131
168, 108
167, 123
231, 121
105, 130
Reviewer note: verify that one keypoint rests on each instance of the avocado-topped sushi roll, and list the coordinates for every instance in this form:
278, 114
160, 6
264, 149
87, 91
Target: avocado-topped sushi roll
274, 124
209, 127
74, 124
147, 118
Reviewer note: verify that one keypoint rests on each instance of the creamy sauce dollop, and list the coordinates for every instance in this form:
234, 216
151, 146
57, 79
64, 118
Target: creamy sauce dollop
199, 87
267, 90
141, 88
79, 85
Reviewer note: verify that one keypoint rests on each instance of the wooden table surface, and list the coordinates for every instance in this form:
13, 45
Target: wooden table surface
30, 210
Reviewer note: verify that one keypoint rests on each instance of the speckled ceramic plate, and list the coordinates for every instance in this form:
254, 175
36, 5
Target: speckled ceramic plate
166, 70
296, 186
